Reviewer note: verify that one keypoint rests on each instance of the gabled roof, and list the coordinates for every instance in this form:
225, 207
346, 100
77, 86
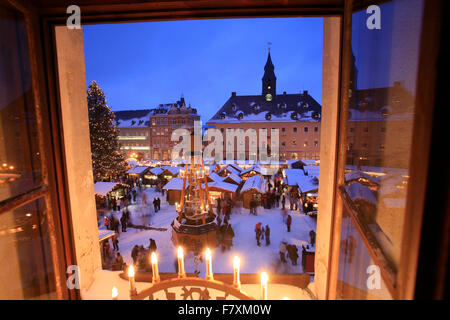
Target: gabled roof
282, 108
256, 183
233, 178
132, 118
175, 184
138, 170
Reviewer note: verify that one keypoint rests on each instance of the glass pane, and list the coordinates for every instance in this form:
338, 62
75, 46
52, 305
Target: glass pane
380, 125
19, 154
26, 271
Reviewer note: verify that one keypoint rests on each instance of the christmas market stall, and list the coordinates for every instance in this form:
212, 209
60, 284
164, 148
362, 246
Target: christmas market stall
253, 189
174, 190
137, 175
106, 191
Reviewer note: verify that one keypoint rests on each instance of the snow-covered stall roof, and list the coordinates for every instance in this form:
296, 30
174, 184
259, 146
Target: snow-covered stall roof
230, 168
304, 183
138, 170
357, 191
256, 168
215, 177
233, 177
102, 188
312, 170
223, 186
105, 234
175, 184
173, 170
254, 183
355, 175
156, 171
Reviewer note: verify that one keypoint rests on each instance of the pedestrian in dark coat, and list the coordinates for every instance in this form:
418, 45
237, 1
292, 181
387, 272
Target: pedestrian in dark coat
158, 202
135, 253
283, 201
267, 235
115, 242
288, 222
123, 222
152, 246
282, 252
312, 237
155, 205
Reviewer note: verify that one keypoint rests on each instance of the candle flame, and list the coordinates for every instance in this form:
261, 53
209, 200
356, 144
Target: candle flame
236, 262
130, 271
208, 254
154, 258
264, 278
180, 252
115, 292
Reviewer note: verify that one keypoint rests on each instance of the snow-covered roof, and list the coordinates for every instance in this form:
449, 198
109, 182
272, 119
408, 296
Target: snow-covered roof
312, 170
172, 170
357, 191
234, 177
256, 168
156, 171
254, 183
215, 177
138, 170
296, 177
102, 188
355, 175
175, 184
222, 186
105, 234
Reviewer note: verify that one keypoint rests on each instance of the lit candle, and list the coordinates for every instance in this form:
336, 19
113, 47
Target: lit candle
115, 293
131, 277
236, 280
209, 274
181, 273
155, 272
264, 279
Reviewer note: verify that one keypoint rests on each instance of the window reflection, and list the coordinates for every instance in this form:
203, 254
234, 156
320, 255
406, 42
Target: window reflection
19, 153
26, 271
380, 122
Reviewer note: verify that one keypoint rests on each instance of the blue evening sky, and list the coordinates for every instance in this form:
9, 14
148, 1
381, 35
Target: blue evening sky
140, 65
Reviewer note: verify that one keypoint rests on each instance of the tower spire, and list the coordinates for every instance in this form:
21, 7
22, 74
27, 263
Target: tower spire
269, 80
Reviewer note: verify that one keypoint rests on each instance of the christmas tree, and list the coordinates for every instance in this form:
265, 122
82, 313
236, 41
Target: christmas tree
107, 160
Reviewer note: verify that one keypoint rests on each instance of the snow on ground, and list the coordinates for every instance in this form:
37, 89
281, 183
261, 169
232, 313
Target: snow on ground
254, 259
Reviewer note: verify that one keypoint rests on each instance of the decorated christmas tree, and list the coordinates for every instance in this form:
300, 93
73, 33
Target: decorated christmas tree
107, 160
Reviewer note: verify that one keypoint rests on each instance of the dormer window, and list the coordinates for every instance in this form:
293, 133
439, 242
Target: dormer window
256, 107
240, 115
268, 116
222, 116
315, 115
294, 115
268, 97
283, 106
233, 107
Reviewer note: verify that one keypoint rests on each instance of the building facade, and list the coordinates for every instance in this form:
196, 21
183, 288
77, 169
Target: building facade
295, 116
146, 134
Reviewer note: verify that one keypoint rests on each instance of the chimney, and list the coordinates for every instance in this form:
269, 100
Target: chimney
305, 92
233, 94
284, 93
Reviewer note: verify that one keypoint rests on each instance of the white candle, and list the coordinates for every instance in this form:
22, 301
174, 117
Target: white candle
264, 279
155, 272
181, 273
131, 277
115, 293
209, 274
236, 279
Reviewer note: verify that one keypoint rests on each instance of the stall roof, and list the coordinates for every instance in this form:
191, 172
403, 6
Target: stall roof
312, 170
256, 183
256, 168
234, 177
229, 187
355, 175
102, 188
105, 234
138, 170
357, 191
156, 171
172, 170
296, 177
175, 184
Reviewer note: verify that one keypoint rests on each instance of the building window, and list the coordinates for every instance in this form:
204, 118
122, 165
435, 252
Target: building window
383, 129
366, 129
305, 144
294, 129
283, 129
316, 143
351, 129
306, 129
283, 143
316, 129
294, 142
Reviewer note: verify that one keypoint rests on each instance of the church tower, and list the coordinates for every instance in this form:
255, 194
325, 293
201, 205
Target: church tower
269, 81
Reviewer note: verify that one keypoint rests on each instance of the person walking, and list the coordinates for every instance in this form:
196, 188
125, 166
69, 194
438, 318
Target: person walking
288, 223
282, 251
152, 247
123, 222
258, 233
135, 253
267, 235
115, 242
155, 205
283, 202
